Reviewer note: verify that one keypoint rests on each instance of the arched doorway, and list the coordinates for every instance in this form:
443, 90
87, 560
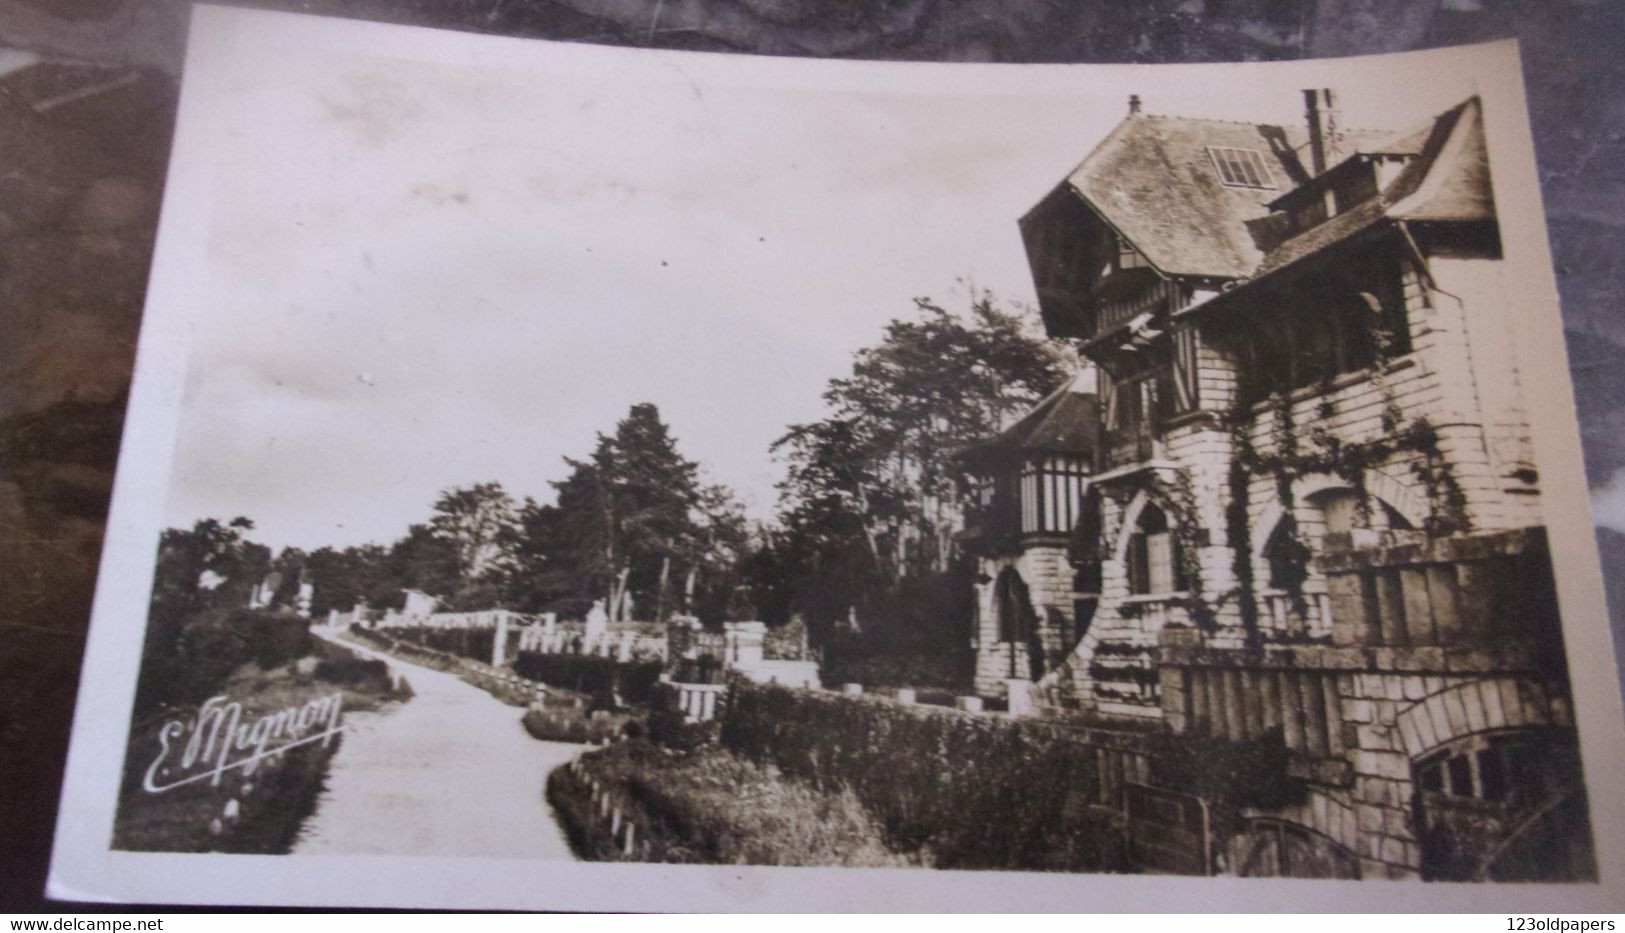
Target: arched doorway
1504, 806
1018, 624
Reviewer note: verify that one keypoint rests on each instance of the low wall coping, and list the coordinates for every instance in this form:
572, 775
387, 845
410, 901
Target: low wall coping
1422, 550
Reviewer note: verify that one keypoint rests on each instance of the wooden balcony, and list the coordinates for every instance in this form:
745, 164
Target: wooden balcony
1129, 448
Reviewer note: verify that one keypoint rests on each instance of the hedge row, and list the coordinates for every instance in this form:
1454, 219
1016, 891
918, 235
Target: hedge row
591, 674
570, 724
472, 643
187, 661
850, 664
708, 806
963, 791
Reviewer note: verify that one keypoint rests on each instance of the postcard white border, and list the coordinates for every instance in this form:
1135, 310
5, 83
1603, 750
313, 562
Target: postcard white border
84, 868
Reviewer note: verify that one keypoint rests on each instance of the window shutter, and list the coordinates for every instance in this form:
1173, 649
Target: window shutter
1186, 380
1159, 549
1177, 553
1139, 564
1108, 399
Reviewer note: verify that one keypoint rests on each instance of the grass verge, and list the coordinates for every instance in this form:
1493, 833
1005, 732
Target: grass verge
707, 806
273, 799
502, 684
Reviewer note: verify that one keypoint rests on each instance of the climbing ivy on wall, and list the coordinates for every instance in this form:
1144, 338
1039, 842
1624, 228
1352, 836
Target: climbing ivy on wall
1291, 459
1178, 501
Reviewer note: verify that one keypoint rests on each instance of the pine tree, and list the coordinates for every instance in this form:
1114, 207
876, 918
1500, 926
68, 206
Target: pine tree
633, 526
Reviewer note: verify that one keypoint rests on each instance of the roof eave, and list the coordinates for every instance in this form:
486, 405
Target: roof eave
1377, 226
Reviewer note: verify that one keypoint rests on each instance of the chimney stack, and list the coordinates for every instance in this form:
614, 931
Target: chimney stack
1325, 137
1134, 105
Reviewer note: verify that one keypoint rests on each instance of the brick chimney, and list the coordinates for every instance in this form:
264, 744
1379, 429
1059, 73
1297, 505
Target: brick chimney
1325, 135
1134, 105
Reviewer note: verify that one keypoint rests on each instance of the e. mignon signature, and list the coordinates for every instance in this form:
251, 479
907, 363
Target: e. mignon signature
218, 740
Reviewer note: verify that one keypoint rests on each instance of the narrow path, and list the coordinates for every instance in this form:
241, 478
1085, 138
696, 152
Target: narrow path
450, 772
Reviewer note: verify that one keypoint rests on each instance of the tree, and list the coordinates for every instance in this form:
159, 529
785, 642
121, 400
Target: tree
648, 494
211, 563
476, 520
343, 578
209, 568
424, 560
632, 526
871, 496
721, 544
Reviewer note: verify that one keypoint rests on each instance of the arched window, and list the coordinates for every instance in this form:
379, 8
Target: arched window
1288, 557
1340, 513
1016, 617
1508, 806
1153, 556
1396, 521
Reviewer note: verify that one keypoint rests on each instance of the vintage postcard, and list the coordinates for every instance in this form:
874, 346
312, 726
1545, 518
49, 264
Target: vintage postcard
567, 477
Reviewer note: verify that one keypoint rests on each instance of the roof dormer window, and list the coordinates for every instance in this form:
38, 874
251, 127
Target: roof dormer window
1128, 257
1240, 168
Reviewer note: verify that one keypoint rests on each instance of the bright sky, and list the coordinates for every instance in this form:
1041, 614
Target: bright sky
431, 273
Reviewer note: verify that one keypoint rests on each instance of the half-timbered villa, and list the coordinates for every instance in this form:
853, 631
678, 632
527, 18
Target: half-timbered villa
1308, 507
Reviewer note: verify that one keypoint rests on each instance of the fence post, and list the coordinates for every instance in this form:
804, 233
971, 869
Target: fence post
629, 846
499, 640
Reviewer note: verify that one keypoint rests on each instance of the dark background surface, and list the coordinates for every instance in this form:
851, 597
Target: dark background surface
80, 184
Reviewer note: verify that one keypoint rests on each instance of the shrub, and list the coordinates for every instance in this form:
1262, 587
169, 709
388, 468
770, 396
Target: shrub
966, 791
667, 726
592, 675
210, 645
1231, 776
276, 637
566, 724
856, 662
472, 643
355, 672
707, 805
787, 642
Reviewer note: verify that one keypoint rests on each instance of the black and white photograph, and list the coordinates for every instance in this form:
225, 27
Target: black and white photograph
582, 459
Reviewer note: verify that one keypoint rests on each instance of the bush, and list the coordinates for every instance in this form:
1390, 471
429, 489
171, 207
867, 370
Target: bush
212, 644
276, 637
709, 806
567, 724
966, 791
1231, 776
669, 727
355, 672
853, 661
592, 675
472, 643
787, 642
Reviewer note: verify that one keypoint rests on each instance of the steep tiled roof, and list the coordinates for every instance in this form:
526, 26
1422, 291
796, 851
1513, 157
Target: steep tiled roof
1452, 179
1153, 179
1065, 422
1446, 179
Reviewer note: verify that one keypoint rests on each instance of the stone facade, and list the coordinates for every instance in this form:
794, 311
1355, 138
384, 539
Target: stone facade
1436, 646
1047, 576
1316, 513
